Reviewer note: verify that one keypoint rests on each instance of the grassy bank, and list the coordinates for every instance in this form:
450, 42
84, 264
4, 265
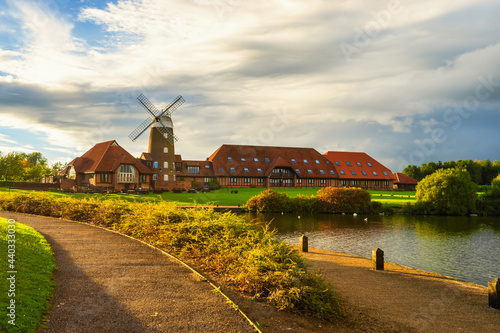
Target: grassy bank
224, 197
246, 255
33, 261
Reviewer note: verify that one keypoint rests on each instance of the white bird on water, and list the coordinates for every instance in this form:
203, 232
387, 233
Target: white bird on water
354, 214
366, 219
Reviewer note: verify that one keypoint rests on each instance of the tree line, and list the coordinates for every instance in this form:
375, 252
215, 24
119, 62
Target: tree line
481, 172
17, 166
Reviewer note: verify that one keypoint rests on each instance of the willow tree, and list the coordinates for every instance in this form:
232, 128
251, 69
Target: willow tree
449, 191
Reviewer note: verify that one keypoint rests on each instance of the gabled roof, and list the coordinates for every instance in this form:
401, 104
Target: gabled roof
401, 178
259, 161
206, 169
356, 165
107, 157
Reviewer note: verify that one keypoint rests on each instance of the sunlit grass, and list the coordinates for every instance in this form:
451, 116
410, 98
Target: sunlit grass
34, 265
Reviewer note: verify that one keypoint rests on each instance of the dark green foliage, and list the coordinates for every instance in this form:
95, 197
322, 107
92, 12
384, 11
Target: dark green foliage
489, 203
246, 255
448, 192
481, 172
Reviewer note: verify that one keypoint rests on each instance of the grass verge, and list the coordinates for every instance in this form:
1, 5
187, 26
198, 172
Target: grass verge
244, 254
33, 261
224, 197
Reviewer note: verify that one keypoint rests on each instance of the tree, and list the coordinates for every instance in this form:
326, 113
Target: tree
413, 171
449, 191
495, 186
57, 167
12, 166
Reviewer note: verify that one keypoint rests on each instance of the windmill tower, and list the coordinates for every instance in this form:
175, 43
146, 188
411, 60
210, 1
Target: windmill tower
161, 150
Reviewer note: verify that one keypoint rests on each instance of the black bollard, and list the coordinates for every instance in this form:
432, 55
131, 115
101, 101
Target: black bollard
378, 259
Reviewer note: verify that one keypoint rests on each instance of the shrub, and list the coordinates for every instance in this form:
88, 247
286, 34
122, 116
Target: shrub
449, 191
344, 200
495, 186
269, 201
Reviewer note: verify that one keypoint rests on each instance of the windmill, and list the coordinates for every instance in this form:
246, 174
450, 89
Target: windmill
160, 120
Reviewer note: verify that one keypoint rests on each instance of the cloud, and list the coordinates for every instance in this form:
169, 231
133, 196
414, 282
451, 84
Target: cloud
237, 63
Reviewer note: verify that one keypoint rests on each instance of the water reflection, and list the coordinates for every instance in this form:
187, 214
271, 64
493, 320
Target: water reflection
467, 248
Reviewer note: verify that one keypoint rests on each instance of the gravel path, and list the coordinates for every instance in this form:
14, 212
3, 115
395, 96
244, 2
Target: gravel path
110, 283
403, 299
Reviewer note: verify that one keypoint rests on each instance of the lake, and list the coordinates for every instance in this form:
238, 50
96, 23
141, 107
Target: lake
466, 248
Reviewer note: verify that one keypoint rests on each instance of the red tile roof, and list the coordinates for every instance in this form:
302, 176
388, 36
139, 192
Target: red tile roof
401, 178
206, 169
259, 161
107, 157
354, 165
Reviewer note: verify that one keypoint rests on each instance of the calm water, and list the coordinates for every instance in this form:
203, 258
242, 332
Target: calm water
467, 248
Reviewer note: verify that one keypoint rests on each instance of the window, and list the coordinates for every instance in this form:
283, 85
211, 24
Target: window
293, 160
311, 181
321, 172
193, 169
386, 183
255, 159
310, 172
126, 174
218, 159
267, 160
354, 182
260, 180
104, 178
165, 178
332, 172
353, 172
221, 170
305, 161
247, 180
233, 180
365, 183
348, 163
155, 165
259, 170
359, 164
297, 171
337, 163
155, 177
233, 170
317, 161
243, 159
245, 169
385, 173
375, 173
229, 159
299, 181
369, 164
363, 172
143, 179
342, 172
165, 165
323, 181
207, 166
343, 182
174, 178
165, 150
376, 183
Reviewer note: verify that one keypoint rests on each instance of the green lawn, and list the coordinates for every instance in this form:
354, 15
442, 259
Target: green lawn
224, 197
33, 262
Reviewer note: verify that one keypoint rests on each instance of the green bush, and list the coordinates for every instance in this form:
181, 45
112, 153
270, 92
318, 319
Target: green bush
448, 191
344, 200
269, 201
495, 186
246, 255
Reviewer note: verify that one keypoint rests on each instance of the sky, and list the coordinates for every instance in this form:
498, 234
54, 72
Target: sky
407, 82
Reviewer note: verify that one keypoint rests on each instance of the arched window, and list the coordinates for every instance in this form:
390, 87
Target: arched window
126, 174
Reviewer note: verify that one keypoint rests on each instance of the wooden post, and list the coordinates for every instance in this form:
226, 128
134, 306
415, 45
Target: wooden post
304, 246
494, 293
378, 259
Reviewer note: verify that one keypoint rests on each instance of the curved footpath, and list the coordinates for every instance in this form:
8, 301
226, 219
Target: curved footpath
110, 283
